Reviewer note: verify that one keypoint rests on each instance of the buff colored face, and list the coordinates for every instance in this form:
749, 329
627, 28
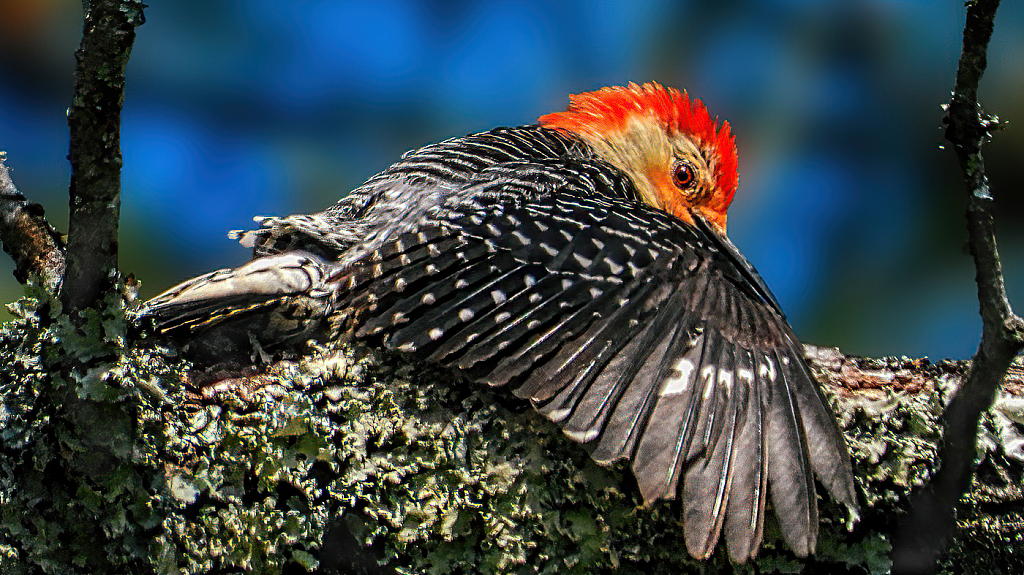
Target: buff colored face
678, 157
671, 171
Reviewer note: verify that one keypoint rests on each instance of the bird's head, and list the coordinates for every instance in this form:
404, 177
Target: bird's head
676, 154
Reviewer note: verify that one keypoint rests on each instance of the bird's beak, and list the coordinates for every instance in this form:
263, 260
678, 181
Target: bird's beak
715, 218
716, 233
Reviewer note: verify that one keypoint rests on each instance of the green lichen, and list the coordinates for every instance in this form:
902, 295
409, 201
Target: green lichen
117, 466
990, 522
894, 441
69, 476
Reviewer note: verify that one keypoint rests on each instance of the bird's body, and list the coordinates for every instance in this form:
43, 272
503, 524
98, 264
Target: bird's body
583, 263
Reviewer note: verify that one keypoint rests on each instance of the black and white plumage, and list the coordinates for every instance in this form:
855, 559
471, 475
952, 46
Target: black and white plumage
526, 258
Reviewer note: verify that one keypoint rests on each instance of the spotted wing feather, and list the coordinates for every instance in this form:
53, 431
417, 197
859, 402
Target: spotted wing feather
644, 338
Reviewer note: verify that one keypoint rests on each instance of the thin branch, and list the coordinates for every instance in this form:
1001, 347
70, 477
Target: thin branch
95, 122
37, 248
925, 531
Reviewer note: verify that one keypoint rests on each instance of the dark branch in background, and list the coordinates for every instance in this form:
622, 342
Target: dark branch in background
95, 121
925, 531
37, 248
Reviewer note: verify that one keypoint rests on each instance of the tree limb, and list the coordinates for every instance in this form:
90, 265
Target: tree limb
37, 248
926, 530
95, 121
372, 463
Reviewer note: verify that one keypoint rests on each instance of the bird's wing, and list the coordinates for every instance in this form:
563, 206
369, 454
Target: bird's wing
644, 338
446, 165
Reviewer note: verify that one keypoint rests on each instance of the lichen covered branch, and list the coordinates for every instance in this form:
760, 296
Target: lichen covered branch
95, 120
968, 127
371, 463
37, 248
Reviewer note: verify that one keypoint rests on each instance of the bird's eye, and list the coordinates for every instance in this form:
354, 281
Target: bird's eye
684, 176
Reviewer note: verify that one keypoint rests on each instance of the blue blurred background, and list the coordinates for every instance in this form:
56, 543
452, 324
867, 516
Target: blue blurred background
846, 205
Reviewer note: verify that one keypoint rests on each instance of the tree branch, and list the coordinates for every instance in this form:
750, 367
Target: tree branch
928, 527
37, 248
95, 120
374, 463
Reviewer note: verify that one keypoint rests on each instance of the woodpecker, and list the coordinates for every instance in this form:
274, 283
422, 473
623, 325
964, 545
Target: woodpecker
583, 262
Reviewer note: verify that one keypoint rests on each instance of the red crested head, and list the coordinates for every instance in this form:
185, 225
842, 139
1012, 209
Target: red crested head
611, 117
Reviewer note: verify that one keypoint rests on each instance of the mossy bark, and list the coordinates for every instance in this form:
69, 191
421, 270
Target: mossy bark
352, 460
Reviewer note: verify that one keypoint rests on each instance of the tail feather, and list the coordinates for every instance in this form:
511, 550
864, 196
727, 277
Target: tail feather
259, 284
